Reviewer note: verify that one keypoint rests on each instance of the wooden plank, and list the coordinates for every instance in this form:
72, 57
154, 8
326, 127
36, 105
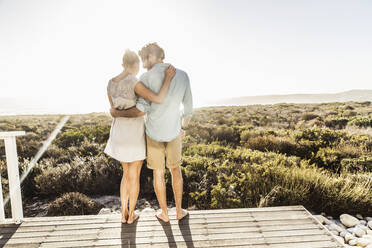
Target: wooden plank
224, 241
252, 239
172, 213
315, 244
246, 217
158, 237
159, 230
140, 227
155, 222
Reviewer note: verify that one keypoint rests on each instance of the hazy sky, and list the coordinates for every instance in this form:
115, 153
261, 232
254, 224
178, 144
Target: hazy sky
71, 48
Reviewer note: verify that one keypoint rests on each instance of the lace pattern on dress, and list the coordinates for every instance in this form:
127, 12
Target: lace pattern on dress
122, 93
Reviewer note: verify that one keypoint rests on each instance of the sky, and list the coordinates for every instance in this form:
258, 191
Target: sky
66, 51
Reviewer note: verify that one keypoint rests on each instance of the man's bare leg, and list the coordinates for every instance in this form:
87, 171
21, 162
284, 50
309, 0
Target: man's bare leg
177, 185
160, 191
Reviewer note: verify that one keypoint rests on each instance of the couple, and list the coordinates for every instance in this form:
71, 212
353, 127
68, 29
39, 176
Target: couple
151, 122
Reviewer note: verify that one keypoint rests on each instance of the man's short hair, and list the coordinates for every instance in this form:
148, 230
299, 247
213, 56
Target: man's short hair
152, 48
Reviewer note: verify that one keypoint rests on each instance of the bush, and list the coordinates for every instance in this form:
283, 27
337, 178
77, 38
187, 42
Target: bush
361, 121
95, 175
338, 123
356, 165
70, 138
28, 145
309, 116
88, 149
329, 158
227, 134
248, 134
73, 203
246, 178
272, 144
324, 137
97, 133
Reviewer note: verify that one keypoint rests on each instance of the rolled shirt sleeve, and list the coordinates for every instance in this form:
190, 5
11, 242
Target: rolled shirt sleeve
143, 104
187, 100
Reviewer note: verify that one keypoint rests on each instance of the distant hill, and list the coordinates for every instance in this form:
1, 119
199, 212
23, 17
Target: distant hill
346, 96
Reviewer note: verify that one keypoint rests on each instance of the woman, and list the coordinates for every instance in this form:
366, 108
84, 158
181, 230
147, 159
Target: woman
127, 135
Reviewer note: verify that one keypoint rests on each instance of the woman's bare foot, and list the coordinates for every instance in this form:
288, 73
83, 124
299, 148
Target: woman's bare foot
183, 213
123, 219
132, 218
125, 216
162, 216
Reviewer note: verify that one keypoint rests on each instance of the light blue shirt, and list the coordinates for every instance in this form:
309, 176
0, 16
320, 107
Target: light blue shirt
163, 121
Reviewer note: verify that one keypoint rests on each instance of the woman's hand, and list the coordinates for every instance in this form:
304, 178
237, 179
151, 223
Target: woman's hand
170, 72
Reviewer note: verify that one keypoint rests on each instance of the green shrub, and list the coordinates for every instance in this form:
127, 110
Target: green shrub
95, 175
248, 134
361, 121
321, 137
97, 133
246, 178
309, 116
70, 138
73, 203
89, 148
329, 158
272, 144
28, 145
227, 134
357, 165
338, 123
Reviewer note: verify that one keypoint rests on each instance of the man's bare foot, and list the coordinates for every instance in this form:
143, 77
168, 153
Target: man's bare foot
162, 216
132, 218
183, 213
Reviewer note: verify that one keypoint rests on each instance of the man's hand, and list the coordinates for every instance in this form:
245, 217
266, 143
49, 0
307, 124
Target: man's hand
183, 133
128, 113
113, 112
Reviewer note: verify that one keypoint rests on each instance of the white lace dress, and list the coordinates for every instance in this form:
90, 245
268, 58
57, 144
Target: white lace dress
127, 135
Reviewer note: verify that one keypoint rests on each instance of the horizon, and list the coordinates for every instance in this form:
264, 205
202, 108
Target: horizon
72, 48
35, 106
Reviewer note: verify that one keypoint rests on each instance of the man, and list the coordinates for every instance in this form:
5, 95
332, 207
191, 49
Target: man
164, 125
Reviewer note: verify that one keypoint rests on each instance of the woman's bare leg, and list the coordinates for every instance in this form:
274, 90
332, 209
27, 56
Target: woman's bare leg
124, 193
134, 171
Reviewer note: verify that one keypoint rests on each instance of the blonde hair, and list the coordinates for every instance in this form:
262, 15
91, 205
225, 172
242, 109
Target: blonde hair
152, 48
130, 58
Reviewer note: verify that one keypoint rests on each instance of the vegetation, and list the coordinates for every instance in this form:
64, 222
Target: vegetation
316, 155
73, 203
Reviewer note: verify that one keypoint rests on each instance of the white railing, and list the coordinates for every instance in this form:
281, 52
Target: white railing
13, 177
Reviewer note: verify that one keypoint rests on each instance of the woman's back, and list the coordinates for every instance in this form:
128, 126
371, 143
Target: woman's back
122, 92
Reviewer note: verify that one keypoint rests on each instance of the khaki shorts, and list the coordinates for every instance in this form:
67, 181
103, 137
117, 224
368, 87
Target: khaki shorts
157, 151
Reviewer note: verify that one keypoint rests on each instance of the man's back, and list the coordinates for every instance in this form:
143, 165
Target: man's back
163, 122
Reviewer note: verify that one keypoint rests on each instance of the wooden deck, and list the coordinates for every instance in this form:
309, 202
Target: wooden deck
286, 226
